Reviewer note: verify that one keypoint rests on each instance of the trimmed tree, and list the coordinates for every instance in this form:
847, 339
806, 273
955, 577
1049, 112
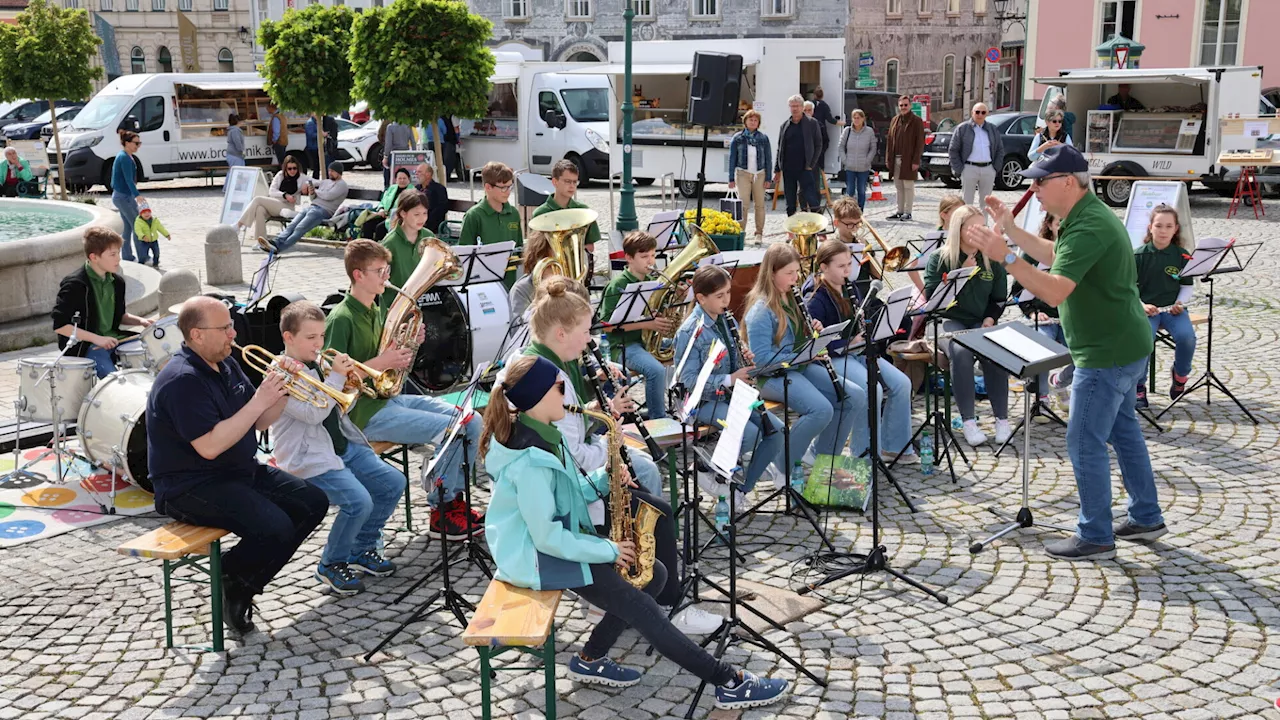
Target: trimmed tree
419, 60
47, 55
307, 69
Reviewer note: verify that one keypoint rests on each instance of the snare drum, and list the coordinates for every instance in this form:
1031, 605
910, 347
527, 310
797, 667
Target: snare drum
69, 382
452, 351
113, 425
131, 356
162, 340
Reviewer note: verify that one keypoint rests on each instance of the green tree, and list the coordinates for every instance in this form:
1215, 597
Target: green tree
307, 69
47, 55
418, 60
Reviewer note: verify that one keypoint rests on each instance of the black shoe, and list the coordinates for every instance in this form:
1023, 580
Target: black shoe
895, 216
1127, 530
237, 607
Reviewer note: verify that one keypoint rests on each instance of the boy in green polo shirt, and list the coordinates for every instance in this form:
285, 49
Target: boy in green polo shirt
1160, 260
495, 220
640, 249
564, 177
95, 292
355, 328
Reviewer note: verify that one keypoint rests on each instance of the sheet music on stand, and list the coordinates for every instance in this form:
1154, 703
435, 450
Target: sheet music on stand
260, 286
691, 403
814, 348
953, 282
891, 315
1214, 256
688, 350
663, 227
633, 305
466, 414
921, 250
481, 263
728, 450
1018, 344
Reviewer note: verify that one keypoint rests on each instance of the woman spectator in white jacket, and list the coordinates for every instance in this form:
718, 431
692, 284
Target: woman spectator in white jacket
287, 188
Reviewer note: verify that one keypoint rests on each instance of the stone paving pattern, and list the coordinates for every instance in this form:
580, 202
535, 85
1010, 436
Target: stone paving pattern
1182, 629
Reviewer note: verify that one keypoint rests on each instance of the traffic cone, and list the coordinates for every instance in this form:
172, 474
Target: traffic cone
875, 188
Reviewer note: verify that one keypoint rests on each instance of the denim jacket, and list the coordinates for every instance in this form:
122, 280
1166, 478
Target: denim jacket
761, 324
687, 333
738, 151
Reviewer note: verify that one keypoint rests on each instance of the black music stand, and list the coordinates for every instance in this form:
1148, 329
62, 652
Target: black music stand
1208, 263
1035, 354
1038, 408
920, 249
943, 296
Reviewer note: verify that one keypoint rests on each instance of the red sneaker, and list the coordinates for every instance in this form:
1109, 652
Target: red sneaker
450, 521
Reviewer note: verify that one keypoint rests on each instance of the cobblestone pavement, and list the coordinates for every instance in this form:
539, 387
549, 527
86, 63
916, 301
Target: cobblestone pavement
1182, 629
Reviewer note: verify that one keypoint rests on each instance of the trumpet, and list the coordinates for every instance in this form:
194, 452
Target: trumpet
355, 383
301, 386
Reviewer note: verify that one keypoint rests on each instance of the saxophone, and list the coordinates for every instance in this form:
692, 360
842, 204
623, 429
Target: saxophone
623, 525
400, 329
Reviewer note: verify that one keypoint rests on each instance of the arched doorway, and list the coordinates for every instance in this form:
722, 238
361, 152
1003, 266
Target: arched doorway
583, 56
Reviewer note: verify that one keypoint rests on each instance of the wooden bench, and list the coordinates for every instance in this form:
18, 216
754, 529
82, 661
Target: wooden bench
512, 618
181, 545
398, 457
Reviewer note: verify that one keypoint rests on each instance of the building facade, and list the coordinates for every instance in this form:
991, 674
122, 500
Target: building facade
1176, 33
9, 10
927, 47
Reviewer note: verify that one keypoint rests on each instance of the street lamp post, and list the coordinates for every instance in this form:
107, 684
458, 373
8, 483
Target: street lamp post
627, 211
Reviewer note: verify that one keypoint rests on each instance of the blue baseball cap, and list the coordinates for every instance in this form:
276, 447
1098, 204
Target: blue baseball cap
1057, 159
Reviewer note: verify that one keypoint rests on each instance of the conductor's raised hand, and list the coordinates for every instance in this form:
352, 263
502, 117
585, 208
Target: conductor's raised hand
999, 212
989, 242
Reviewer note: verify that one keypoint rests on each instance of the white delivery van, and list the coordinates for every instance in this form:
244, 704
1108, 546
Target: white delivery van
538, 114
1176, 135
181, 119
665, 143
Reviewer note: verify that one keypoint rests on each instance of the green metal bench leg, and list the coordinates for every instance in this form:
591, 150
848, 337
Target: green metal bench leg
168, 607
215, 592
486, 680
549, 672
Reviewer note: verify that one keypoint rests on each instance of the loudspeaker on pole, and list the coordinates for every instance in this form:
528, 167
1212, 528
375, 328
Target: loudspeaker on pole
714, 87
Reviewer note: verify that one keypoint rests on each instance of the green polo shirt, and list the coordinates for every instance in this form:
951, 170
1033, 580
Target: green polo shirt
404, 260
609, 303
548, 433
1102, 318
981, 294
356, 330
482, 225
1159, 273
103, 288
593, 230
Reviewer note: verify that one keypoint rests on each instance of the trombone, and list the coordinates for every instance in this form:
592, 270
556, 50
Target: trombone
354, 381
894, 258
301, 386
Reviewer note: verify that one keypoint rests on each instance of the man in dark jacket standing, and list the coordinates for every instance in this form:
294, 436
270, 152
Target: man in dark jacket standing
822, 113
977, 151
904, 147
436, 194
799, 152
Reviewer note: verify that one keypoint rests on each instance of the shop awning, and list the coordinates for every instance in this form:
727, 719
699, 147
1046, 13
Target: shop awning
1132, 77
636, 69
225, 84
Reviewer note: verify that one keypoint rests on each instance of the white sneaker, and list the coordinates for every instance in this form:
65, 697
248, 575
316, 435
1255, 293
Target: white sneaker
972, 434
696, 621
776, 476
1003, 431
810, 457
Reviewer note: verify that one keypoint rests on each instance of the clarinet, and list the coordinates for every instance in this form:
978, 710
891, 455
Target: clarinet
604, 407
736, 340
821, 359
611, 390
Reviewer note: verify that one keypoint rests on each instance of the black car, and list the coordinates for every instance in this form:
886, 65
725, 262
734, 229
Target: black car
1019, 129
27, 111
32, 130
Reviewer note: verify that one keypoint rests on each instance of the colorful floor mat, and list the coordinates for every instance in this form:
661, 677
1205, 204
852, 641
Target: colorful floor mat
31, 509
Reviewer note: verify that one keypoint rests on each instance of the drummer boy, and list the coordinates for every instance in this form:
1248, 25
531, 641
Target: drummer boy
90, 302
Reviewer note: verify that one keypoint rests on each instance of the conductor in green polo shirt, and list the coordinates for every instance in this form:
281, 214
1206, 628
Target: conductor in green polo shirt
495, 220
1093, 283
564, 177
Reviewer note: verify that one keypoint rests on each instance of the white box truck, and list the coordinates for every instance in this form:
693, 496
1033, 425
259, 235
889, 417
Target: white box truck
1177, 134
664, 142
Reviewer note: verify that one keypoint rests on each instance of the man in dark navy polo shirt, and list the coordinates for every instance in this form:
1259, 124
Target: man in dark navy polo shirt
201, 455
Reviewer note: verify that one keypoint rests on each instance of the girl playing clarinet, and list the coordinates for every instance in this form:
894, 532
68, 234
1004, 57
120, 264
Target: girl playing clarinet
1164, 252
709, 321
542, 538
830, 304
776, 330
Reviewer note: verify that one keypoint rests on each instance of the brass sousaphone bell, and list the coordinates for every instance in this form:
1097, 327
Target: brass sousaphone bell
804, 228
566, 232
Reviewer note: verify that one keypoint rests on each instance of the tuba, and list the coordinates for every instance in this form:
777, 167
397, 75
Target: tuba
804, 228
668, 301
623, 525
566, 232
404, 319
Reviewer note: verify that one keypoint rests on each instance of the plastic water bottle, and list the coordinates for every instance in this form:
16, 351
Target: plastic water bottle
722, 514
926, 454
956, 423
797, 477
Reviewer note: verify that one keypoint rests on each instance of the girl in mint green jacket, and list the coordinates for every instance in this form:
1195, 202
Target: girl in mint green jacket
541, 537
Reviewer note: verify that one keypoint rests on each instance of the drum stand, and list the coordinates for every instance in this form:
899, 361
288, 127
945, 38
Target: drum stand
58, 446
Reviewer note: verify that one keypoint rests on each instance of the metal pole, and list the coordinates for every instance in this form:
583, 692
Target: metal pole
627, 211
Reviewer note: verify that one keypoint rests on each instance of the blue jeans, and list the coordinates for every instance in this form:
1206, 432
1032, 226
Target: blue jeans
127, 206
764, 449
648, 476
366, 492
639, 360
313, 216
418, 419
1102, 412
808, 189
895, 416
234, 161
148, 248
1184, 338
812, 397
855, 183
1054, 332
102, 361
